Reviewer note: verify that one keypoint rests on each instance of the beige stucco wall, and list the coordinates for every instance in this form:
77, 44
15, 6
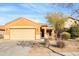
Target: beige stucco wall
69, 23
21, 23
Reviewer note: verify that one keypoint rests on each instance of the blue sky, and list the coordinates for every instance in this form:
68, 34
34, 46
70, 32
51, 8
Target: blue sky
35, 12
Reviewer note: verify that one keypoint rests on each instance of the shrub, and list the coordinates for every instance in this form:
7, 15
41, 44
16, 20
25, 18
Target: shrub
65, 35
60, 44
74, 31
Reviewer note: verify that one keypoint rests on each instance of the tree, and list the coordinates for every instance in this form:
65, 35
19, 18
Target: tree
57, 20
74, 10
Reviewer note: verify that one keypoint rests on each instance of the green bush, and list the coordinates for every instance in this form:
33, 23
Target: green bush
65, 35
74, 31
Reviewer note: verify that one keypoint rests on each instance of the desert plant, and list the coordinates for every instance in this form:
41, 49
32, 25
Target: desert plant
57, 20
60, 44
65, 35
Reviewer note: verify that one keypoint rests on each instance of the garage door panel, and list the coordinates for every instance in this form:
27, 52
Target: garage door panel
22, 34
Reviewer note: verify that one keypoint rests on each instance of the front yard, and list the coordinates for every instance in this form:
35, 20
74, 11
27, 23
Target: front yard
10, 48
71, 48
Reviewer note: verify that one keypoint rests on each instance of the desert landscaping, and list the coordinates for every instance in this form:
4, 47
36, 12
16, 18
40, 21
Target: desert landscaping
11, 48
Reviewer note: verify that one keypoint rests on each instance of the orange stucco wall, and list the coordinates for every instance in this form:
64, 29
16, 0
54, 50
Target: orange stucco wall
22, 22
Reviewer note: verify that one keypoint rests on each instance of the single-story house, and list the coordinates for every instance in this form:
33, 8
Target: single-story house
25, 29
2, 30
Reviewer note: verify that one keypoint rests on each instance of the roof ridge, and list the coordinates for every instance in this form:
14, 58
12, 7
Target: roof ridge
23, 19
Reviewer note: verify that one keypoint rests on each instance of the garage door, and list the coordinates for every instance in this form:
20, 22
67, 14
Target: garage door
22, 34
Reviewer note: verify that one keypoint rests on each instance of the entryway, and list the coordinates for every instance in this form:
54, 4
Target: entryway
42, 32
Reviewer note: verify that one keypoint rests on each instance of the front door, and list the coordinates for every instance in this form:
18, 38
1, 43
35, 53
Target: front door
42, 32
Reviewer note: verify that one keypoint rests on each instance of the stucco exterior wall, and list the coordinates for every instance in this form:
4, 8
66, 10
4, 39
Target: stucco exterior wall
21, 22
68, 23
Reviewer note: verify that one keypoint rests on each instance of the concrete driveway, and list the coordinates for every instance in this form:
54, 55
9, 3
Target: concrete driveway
10, 48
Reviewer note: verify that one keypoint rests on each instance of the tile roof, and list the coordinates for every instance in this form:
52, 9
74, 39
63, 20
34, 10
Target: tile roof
2, 28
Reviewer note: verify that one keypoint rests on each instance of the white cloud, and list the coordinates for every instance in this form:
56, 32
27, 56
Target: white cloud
33, 7
7, 8
1, 18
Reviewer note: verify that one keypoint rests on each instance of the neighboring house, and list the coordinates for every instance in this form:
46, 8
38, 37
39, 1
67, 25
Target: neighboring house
25, 29
70, 22
2, 29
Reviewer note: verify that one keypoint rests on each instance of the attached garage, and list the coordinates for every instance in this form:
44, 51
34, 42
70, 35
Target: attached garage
22, 29
22, 34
